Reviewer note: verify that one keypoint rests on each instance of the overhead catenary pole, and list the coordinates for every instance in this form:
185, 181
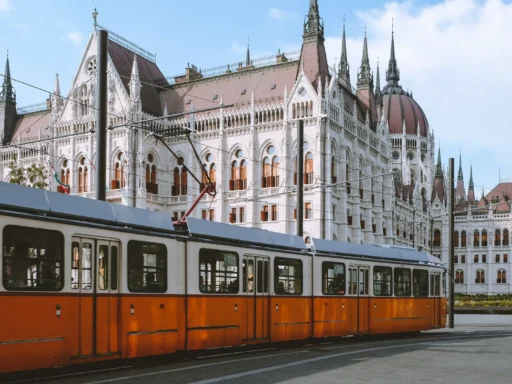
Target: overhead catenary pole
101, 115
450, 241
300, 178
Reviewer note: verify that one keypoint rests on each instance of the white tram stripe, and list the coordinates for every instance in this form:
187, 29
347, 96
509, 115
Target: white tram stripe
191, 367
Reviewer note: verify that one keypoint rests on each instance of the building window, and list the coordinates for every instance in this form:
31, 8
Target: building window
237, 215
484, 238
463, 241
218, 271
437, 238
502, 277
238, 180
180, 179
151, 185
288, 276
308, 169
505, 237
459, 276
382, 279
269, 213
119, 180
484, 258
463, 259
505, 257
497, 238
497, 258
456, 239
147, 267
208, 214
476, 238
65, 178
333, 278
475, 259
308, 211
270, 169
32, 259
480, 277
83, 176
455, 259
334, 214
84, 100
334, 177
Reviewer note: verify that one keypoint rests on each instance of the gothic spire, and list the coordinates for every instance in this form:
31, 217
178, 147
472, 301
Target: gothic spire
135, 85
439, 166
377, 88
460, 175
7, 93
471, 185
312, 26
344, 68
393, 73
248, 56
365, 74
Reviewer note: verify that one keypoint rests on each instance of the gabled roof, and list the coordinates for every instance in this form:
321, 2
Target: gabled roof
122, 58
30, 125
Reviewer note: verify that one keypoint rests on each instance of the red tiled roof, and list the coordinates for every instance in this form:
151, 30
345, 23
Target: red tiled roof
398, 108
438, 189
148, 72
315, 62
30, 125
231, 87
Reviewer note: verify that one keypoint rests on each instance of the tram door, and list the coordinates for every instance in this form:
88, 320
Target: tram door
358, 289
94, 275
435, 293
256, 271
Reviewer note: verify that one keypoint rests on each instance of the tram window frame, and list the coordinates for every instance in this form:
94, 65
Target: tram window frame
339, 288
420, 288
386, 272
298, 276
140, 268
34, 239
402, 288
232, 285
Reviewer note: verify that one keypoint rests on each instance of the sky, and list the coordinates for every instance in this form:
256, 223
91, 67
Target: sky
454, 55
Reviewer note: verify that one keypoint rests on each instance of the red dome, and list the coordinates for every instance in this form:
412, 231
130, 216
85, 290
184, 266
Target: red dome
398, 108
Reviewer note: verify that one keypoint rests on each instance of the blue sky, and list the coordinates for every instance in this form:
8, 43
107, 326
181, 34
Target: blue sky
453, 54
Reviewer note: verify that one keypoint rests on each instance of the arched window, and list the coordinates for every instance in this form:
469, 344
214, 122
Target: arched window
484, 238
476, 238
348, 173
238, 172
334, 176
213, 171
456, 239
151, 185
459, 276
83, 176
437, 238
308, 169
267, 173
497, 238
84, 100
505, 237
463, 241
480, 277
180, 179
65, 177
502, 277
119, 180
176, 182
270, 168
307, 240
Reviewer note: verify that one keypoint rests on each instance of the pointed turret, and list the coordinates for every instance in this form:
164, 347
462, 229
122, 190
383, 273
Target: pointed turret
8, 113
344, 67
393, 73
460, 193
471, 188
248, 55
364, 77
56, 97
438, 189
313, 58
135, 87
378, 93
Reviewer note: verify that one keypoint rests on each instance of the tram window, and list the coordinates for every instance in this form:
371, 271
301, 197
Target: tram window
288, 276
382, 281
402, 282
86, 266
103, 268
333, 278
75, 260
420, 282
259, 276
265, 276
147, 267
32, 259
113, 269
218, 271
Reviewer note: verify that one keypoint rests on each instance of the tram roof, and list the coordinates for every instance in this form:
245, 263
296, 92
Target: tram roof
375, 251
25, 199
205, 228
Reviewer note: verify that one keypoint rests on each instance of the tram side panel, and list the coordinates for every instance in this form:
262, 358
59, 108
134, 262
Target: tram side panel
153, 299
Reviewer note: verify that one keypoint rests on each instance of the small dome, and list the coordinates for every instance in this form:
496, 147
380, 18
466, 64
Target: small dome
400, 107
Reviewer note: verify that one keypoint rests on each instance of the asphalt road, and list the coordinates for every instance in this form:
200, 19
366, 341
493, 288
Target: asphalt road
477, 350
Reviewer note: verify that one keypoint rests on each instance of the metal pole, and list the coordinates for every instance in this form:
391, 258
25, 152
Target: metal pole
450, 240
300, 178
101, 115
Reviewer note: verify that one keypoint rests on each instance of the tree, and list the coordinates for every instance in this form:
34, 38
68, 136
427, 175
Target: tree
35, 176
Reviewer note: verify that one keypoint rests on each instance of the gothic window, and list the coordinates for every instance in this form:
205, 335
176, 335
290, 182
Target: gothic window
119, 180
410, 155
459, 276
308, 169
151, 185
502, 277
456, 239
84, 100
334, 178
397, 175
91, 67
238, 179
480, 277
463, 239
348, 172
395, 155
179, 179
270, 168
476, 238
83, 175
65, 177
497, 238
213, 171
437, 238
484, 238
505, 237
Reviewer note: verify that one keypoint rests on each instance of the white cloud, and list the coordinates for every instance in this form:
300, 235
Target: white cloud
75, 37
5, 5
280, 15
455, 57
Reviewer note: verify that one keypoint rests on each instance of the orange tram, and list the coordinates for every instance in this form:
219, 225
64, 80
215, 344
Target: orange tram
88, 281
